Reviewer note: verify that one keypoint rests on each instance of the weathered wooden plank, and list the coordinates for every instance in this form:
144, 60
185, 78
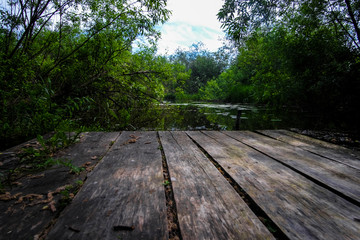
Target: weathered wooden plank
25, 219
340, 177
123, 197
325, 149
314, 141
301, 208
93, 151
207, 206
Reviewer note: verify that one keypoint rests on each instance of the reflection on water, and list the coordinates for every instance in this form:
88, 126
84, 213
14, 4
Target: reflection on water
204, 116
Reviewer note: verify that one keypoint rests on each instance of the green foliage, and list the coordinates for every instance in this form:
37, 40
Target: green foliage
232, 85
201, 66
242, 18
40, 157
166, 183
241, 94
174, 86
295, 54
69, 192
34, 158
182, 96
212, 91
70, 65
227, 91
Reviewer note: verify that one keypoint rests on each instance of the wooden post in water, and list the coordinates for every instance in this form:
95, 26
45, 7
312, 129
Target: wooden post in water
238, 120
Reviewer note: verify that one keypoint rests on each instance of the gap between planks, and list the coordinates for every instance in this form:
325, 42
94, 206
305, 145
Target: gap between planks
327, 150
208, 206
334, 176
309, 211
172, 217
237, 188
123, 198
263, 217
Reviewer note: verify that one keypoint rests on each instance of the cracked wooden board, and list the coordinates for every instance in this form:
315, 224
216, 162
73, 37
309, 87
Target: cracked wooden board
25, 219
207, 205
298, 206
123, 197
325, 149
340, 177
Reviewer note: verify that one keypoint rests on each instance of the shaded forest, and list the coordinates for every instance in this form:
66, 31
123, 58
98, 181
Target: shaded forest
71, 65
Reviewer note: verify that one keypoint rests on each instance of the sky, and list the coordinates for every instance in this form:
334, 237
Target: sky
191, 21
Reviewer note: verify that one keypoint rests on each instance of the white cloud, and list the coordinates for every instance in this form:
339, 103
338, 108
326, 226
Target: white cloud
195, 12
192, 21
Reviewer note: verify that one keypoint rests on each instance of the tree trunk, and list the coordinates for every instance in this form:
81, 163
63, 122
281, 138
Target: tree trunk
353, 20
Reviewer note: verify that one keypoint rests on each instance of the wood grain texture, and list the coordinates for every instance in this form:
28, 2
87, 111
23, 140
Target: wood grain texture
96, 143
207, 206
337, 176
328, 150
21, 221
301, 208
123, 197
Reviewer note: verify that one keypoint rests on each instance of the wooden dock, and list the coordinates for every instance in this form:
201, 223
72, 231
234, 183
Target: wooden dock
198, 185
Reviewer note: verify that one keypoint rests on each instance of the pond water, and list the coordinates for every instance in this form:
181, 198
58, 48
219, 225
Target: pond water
205, 116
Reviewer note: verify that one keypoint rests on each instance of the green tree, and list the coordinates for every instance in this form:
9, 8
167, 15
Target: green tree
240, 18
65, 63
203, 64
174, 85
297, 53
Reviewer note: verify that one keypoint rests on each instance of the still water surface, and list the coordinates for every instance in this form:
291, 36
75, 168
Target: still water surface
205, 116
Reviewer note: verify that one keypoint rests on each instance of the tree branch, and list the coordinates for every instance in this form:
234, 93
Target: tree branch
347, 32
352, 17
139, 72
85, 42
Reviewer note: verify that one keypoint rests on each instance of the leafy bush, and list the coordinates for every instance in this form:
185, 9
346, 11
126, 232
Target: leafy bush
241, 94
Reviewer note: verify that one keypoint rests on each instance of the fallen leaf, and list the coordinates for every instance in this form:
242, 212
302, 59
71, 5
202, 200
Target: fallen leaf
94, 157
9, 210
20, 200
133, 136
16, 183
50, 196
86, 164
62, 188
16, 194
5, 197
29, 197
36, 176
52, 206
89, 169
